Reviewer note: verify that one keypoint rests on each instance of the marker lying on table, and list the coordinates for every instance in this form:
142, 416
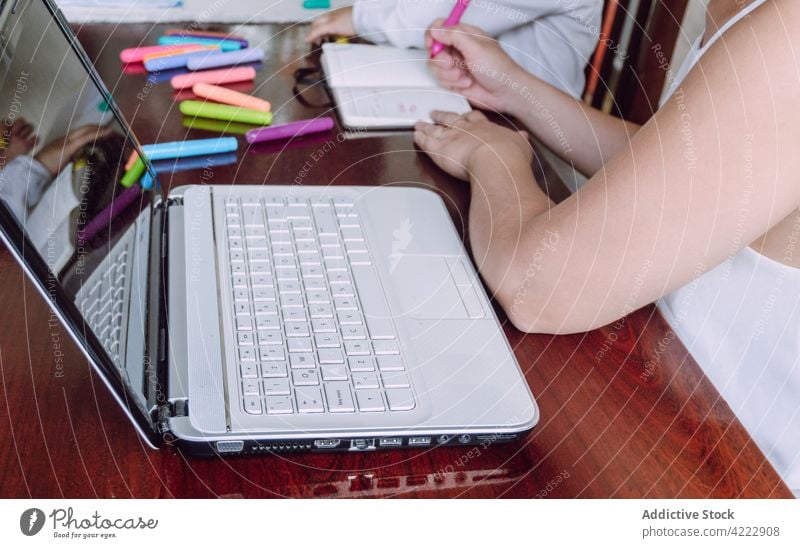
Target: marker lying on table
136, 55
229, 113
287, 131
230, 97
219, 76
452, 19
133, 174
217, 126
196, 147
208, 34
168, 62
224, 45
225, 59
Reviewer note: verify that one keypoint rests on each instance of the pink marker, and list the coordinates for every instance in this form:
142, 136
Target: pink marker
290, 130
135, 55
216, 77
453, 19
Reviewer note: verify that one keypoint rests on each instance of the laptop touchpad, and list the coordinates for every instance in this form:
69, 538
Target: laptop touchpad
426, 289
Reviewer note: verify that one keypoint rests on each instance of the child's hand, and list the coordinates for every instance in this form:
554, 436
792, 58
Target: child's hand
475, 65
59, 153
337, 23
454, 141
17, 139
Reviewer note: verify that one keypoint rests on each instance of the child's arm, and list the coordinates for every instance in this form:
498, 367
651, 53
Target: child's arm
477, 67
659, 213
333, 23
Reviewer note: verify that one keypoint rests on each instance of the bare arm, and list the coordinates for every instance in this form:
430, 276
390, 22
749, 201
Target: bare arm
712, 171
477, 67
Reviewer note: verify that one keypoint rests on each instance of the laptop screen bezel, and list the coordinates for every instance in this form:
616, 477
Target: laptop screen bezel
56, 296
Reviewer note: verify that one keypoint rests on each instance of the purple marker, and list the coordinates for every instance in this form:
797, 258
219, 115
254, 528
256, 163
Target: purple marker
214, 59
108, 213
287, 131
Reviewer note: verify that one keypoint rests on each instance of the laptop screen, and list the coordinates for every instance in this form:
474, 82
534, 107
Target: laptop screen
63, 153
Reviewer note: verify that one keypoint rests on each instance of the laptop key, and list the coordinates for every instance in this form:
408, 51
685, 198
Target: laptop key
333, 372
252, 405
305, 377
309, 400
369, 400
279, 405
390, 363
395, 380
300, 345
250, 387
302, 360
330, 355
386, 347
277, 387
273, 369
340, 400
361, 363
249, 370
400, 399
323, 325
365, 380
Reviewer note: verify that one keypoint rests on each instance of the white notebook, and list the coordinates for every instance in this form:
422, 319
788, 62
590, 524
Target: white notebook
381, 87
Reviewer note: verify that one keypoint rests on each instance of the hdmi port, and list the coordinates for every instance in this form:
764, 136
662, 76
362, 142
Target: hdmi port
327, 444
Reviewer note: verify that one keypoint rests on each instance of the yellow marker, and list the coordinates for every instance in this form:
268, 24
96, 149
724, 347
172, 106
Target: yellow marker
342, 40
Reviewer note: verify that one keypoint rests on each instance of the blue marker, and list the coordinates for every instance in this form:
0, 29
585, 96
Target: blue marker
197, 162
172, 61
197, 147
147, 181
224, 45
214, 59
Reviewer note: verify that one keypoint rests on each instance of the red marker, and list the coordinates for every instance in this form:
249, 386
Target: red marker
452, 20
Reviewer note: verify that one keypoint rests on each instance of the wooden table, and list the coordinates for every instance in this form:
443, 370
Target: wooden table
625, 411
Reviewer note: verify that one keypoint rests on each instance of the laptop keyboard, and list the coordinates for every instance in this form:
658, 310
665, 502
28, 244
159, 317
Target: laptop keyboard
313, 331
102, 300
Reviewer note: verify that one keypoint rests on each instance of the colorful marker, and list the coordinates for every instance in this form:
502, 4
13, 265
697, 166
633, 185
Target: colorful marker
290, 130
207, 34
133, 174
169, 62
217, 126
230, 97
317, 4
224, 45
136, 55
452, 20
219, 76
226, 59
229, 113
196, 147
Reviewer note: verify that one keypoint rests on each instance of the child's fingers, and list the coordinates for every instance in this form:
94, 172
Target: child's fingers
444, 118
320, 27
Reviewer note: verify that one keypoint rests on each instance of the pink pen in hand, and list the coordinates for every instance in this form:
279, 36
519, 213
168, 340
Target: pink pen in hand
452, 19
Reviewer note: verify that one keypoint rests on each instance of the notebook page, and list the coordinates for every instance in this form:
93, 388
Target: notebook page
363, 65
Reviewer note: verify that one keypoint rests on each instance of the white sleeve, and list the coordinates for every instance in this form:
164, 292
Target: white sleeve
557, 48
22, 182
402, 23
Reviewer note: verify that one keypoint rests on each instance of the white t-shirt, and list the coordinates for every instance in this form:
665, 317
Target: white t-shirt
741, 323
552, 39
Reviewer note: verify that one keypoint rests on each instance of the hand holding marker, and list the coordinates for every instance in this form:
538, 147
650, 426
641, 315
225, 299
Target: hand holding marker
453, 19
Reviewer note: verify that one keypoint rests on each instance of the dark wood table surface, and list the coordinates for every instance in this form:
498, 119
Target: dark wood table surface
625, 411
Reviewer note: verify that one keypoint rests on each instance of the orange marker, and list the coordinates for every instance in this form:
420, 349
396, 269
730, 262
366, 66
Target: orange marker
131, 160
221, 76
177, 51
230, 97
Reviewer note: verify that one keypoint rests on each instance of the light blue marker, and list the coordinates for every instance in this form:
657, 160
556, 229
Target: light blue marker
214, 59
172, 61
147, 181
196, 147
224, 45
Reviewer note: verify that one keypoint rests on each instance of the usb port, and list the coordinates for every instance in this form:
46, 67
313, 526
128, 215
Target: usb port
419, 440
391, 442
362, 445
327, 444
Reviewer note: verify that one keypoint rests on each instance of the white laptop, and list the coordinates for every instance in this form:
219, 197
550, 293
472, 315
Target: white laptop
251, 319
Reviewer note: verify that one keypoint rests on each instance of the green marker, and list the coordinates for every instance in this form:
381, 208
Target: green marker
133, 174
218, 126
229, 113
317, 4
